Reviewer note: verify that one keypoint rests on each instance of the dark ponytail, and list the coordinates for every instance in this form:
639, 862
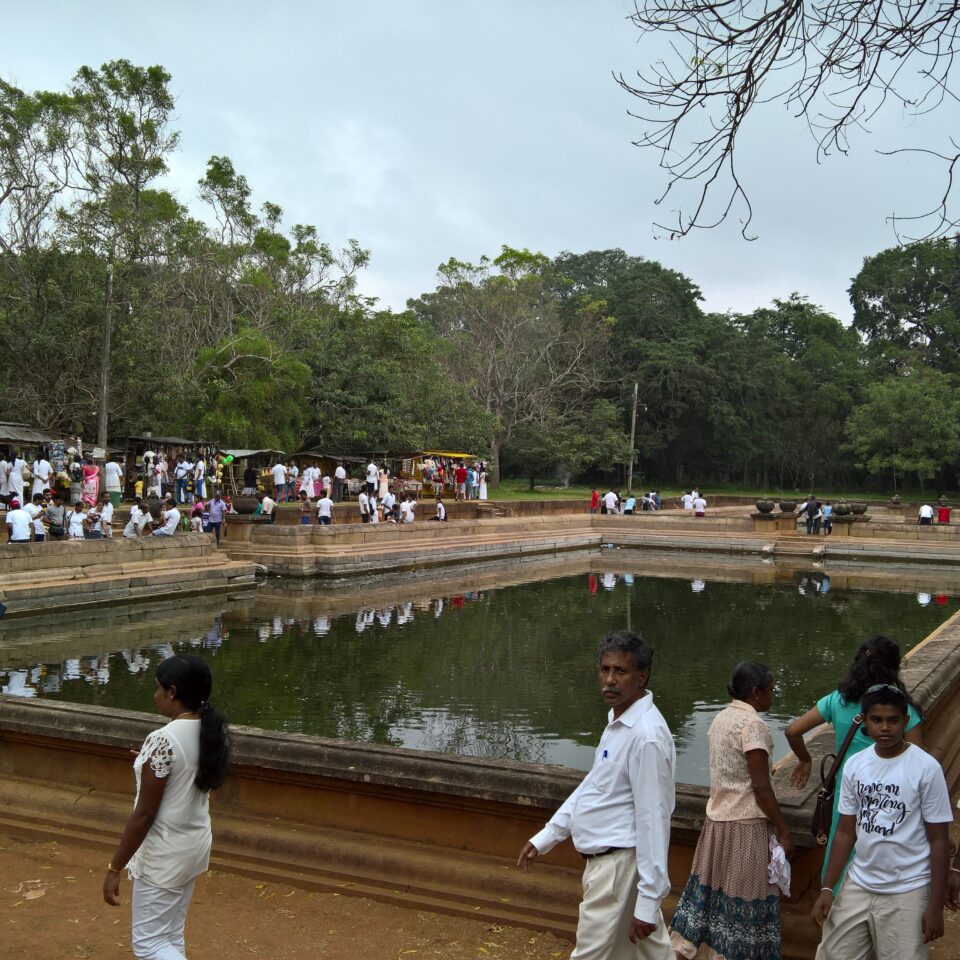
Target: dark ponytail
191, 678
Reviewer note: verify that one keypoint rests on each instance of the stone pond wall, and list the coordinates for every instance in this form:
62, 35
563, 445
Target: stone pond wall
427, 830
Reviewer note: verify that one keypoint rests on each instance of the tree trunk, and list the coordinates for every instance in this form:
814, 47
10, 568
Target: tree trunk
533, 482
495, 461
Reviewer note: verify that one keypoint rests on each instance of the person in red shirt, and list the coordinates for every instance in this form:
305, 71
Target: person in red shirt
943, 514
594, 500
460, 476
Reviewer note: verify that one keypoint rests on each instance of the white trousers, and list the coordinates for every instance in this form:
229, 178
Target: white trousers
159, 917
609, 896
862, 922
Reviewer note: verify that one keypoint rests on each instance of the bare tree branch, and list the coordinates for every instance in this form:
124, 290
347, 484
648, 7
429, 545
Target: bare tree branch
834, 63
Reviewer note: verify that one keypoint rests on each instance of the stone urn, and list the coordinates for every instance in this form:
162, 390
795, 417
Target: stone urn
245, 505
788, 506
765, 506
858, 507
842, 509
895, 500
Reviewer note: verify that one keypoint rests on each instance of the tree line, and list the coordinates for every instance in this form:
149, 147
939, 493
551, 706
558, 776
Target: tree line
234, 326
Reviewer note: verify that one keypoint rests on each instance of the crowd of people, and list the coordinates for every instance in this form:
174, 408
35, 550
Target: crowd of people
886, 876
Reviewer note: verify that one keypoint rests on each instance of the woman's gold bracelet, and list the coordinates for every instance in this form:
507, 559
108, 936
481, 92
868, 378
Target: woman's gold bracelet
112, 869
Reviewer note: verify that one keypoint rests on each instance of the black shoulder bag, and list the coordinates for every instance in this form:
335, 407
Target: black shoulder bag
823, 813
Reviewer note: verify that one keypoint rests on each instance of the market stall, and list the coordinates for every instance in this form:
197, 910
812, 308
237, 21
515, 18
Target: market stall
236, 461
19, 439
429, 471
328, 462
137, 451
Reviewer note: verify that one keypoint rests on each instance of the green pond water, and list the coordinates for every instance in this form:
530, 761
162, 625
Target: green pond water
506, 672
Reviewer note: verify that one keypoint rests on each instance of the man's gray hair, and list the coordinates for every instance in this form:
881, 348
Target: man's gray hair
626, 641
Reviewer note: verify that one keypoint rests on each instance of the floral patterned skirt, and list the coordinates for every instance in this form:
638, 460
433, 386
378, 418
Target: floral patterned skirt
728, 909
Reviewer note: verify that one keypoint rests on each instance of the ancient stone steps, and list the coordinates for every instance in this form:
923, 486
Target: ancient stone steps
66, 576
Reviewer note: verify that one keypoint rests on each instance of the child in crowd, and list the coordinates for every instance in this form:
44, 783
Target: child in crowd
306, 509
196, 518
895, 807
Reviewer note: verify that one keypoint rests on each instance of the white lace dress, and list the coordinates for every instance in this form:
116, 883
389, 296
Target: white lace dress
177, 847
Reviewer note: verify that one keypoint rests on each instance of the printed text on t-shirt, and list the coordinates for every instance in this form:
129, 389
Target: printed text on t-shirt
881, 809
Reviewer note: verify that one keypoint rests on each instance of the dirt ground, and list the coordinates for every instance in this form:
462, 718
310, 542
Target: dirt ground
230, 916
51, 908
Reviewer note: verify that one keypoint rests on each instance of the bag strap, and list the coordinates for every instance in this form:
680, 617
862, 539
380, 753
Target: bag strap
829, 781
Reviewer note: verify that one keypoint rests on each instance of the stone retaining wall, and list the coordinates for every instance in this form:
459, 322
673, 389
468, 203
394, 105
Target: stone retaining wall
83, 573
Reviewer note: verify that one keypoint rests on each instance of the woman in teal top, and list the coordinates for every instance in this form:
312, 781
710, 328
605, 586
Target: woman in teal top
877, 661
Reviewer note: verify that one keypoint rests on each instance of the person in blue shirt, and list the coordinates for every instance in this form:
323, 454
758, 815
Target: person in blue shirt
630, 505
877, 661
827, 511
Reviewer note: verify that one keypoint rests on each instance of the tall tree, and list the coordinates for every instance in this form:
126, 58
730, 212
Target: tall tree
513, 349
906, 303
907, 425
251, 392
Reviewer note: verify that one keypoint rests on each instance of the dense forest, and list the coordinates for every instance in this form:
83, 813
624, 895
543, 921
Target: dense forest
238, 327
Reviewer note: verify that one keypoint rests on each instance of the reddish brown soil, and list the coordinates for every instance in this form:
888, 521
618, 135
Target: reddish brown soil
235, 917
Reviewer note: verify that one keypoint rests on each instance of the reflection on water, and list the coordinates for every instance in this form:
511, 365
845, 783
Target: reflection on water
505, 673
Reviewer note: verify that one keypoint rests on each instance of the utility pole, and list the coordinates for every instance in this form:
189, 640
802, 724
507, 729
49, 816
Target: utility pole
633, 435
105, 361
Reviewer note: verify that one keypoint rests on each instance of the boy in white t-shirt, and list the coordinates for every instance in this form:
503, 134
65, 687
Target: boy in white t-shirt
325, 511
895, 806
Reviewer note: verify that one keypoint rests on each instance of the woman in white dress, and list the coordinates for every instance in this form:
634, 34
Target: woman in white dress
308, 484
483, 481
166, 843
384, 477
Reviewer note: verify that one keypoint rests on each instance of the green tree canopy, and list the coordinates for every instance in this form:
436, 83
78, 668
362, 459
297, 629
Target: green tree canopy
907, 425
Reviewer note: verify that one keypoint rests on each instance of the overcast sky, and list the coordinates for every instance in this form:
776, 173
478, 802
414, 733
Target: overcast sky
428, 130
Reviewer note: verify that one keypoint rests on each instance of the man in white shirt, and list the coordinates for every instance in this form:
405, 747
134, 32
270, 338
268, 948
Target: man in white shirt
699, 506
619, 816
4, 481
163, 475
441, 511
407, 509
363, 502
325, 511
35, 509
113, 481
139, 519
169, 520
687, 501
19, 522
373, 475
266, 508
610, 500
924, 515
279, 473
339, 478
199, 479
42, 471
180, 474
106, 516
